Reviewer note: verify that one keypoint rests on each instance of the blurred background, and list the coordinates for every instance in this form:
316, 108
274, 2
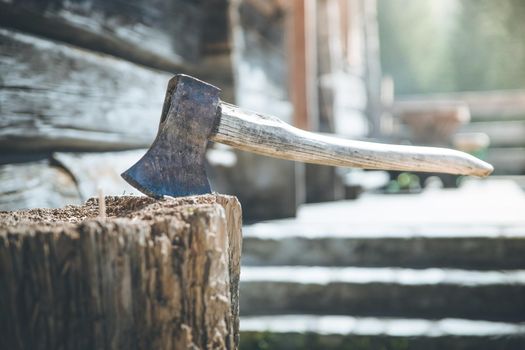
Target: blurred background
333, 258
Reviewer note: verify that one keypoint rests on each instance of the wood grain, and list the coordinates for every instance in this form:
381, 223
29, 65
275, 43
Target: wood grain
164, 34
36, 185
64, 179
99, 171
502, 133
507, 160
270, 136
483, 105
55, 96
152, 275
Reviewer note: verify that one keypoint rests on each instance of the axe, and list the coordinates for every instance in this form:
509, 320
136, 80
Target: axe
193, 115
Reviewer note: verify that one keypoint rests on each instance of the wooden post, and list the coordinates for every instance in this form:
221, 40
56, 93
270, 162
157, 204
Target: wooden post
303, 63
151, 275
373, 65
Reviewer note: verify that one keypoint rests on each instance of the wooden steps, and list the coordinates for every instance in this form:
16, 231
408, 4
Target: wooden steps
507, 161
480, 252
384, 292
439, 270
346, 332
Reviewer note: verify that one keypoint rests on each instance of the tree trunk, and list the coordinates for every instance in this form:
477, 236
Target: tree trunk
147, 274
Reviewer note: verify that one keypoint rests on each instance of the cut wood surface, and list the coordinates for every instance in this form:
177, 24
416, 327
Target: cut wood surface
55, 96
150, 275
164, 34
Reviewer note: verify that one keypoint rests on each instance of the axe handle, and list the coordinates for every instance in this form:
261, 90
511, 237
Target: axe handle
270, 136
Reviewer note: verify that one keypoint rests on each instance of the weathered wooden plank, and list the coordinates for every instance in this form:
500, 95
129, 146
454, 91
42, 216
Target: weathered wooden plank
36, 185
502, 133
305, 332
373, 65
302, 63
55, 96
431, 107
342, 89
64, 179
507, 161
216, 36
146, 275
389, 292
71, 178
415, 250
483, 105
164, 34
94, 172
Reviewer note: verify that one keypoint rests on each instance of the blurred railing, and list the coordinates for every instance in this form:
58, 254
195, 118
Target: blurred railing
499, 114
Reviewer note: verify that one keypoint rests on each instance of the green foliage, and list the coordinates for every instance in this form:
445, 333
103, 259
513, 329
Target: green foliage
453, 45
405, 182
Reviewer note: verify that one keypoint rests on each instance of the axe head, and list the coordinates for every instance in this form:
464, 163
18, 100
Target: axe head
174, 164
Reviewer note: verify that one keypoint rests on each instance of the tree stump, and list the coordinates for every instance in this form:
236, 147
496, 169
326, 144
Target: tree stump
147, 274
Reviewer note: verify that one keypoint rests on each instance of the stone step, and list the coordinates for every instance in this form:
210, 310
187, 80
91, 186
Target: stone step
479, 226
507, 160
392, 292
414, 251
343, 332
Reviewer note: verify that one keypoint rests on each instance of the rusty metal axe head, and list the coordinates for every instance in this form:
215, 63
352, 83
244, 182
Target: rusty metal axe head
174, 164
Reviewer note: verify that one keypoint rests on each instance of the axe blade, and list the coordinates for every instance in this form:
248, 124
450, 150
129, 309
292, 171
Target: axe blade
175, 163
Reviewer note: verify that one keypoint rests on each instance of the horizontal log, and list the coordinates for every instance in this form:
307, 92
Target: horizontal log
501, 133
94, 172
507, 161
55, 96
62, 178
36, 185
216, 27
163, 34
416, 106
146, 274
386, 292
483, 105
413, 251
306, 332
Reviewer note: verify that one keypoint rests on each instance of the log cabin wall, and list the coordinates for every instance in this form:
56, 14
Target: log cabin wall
79, 79
83, 80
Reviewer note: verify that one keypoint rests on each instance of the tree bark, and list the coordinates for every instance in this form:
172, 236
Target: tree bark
147, 274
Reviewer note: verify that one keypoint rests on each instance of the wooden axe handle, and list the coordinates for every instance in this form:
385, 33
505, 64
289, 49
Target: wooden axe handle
270, 136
